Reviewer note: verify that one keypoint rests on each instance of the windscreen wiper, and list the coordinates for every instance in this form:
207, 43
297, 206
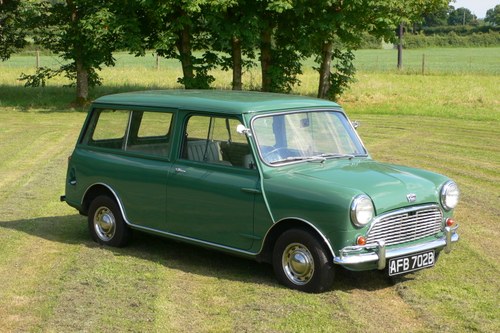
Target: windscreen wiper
298, 158
336, 155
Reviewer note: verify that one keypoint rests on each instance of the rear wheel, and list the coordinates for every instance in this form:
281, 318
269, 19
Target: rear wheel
300, 262
106, 224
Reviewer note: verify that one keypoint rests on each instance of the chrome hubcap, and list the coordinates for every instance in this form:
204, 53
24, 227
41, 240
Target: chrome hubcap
298, 264
104, 224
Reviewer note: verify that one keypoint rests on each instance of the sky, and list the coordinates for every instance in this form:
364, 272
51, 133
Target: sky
477, 7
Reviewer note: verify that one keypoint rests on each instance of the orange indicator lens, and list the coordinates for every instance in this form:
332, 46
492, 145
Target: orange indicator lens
361, 240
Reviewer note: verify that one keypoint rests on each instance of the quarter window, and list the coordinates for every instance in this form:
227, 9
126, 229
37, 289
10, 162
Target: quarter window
109, 128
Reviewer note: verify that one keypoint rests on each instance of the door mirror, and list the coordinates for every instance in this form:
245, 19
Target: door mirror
241, 129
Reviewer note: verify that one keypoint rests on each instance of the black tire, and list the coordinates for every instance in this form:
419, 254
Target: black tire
106, 224
301, 262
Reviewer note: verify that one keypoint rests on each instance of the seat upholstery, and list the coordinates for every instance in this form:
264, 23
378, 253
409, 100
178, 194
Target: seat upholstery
196, 151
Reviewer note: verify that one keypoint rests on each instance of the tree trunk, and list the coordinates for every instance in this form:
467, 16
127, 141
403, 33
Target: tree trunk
266, 58
324, 70
400, 46
82, 83
82, 72
184, 47
237, 63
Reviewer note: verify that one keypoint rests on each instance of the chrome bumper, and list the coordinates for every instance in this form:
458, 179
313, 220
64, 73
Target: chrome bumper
352, 256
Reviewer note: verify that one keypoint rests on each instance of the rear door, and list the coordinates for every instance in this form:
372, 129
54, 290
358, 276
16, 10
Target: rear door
129, 152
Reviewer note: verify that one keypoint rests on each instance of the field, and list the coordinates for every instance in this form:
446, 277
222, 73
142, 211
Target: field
53, 278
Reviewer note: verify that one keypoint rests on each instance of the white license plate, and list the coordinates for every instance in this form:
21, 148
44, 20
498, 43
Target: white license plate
411, 262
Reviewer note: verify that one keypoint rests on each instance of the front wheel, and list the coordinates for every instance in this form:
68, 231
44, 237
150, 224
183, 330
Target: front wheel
106, 224
300, 262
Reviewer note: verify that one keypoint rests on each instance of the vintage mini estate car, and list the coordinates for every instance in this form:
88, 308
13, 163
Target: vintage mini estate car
279, 178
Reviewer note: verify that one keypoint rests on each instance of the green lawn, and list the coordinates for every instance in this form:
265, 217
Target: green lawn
53, 278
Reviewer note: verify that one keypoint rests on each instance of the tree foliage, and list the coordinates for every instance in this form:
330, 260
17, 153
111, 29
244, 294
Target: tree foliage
231, 34
12, 31
85, 33
461, 16
493, 16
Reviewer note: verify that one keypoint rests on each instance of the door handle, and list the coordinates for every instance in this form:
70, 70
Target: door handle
251, 190
179, 170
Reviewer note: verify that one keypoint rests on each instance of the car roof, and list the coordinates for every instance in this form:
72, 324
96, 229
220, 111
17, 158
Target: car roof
224, 101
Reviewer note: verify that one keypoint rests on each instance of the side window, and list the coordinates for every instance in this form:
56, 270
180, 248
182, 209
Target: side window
108, 128
150, 132
215, 140
155, 124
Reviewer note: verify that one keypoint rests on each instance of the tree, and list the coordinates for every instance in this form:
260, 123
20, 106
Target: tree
334, 29
493, 16
280, 45
85, 33
461, 16
12, 32
175, 29
407, 12
437, 18
233, 29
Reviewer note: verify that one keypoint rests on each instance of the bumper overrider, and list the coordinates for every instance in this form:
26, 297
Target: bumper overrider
361, 255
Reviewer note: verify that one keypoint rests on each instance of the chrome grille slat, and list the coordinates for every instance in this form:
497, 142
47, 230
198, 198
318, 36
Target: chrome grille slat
407, 225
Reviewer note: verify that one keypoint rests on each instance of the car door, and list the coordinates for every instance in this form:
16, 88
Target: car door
129, 153
213, 184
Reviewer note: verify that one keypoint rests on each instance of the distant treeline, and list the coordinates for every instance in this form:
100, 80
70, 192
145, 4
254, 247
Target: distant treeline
446, 36
458, 29
452, 39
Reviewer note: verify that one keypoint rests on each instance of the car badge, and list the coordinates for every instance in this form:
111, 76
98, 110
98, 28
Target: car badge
412, 197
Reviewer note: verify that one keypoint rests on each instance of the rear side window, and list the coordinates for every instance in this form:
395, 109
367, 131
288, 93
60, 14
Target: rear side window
108, 128
154, 124
149, 133
143, 132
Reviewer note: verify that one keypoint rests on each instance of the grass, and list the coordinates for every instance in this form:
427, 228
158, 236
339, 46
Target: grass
55, 279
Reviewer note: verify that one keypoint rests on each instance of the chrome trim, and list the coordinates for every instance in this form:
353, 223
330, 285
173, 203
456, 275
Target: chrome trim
112, 192
382, 255
399, 212
354, 205
325, 240
351, 256
214, 245
444, 191
449, 231
189, 239
168, 234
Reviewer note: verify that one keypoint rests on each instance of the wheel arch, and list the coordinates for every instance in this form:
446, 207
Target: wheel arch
286, 224
96, 190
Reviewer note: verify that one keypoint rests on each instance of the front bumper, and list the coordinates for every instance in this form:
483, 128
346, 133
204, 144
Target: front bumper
354, 257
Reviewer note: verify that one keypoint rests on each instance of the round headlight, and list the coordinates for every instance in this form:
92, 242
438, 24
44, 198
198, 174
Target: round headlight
449, 195
362, 210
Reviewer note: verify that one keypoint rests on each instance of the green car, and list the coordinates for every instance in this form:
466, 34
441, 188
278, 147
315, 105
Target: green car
278, 178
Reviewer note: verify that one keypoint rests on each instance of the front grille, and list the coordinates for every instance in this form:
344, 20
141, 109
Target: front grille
406, 225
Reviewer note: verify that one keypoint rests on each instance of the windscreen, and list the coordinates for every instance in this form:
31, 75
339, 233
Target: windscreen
308, 135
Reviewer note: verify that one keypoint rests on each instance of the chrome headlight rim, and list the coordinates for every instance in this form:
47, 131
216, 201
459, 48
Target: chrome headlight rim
449, 188
359, 205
